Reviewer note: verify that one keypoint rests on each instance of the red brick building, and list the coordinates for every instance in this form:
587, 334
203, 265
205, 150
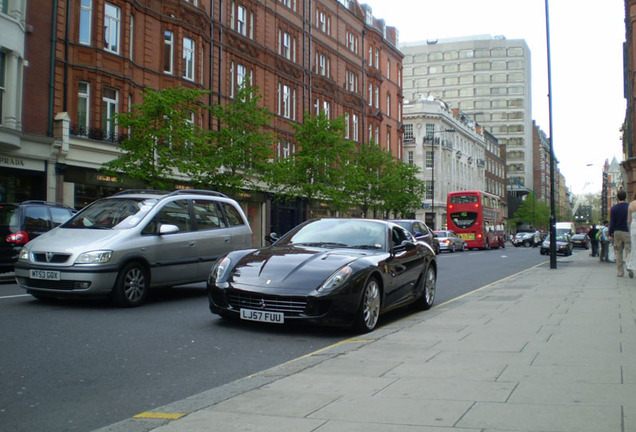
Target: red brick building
89, 59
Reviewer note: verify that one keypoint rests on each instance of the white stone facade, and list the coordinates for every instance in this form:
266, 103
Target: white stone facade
449, 151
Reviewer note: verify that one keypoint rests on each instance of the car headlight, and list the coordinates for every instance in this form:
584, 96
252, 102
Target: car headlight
336, 280
94, 257
24, 254
220, 269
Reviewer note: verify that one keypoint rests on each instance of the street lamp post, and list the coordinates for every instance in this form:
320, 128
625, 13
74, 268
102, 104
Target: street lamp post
553, 260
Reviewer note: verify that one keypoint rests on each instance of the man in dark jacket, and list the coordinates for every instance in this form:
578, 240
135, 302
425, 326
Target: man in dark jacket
593, 231
619, 232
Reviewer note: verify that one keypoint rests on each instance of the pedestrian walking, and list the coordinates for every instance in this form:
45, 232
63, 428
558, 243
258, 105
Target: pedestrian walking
604, 241
631, 223
592, 234
619, 233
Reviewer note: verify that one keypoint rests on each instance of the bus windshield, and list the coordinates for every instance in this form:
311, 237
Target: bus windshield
464, 219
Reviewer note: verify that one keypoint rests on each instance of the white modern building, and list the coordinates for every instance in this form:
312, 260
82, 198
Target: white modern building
487, 78
449, 150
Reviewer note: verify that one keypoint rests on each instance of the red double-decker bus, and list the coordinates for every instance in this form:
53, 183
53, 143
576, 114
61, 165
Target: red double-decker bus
477, 217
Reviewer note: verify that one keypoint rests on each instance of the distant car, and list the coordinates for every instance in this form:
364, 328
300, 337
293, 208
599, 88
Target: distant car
581, 240
563, 245
420, 231
22, 222
523, 239
123, 245
449, 241
329, 271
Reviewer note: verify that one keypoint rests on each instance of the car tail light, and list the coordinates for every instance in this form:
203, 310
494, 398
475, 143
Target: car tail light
20, 237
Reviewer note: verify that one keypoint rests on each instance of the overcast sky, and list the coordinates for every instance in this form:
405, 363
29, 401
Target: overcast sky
586, 43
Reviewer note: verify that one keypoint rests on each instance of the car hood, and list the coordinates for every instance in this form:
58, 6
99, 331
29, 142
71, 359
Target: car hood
292, 267
72, 240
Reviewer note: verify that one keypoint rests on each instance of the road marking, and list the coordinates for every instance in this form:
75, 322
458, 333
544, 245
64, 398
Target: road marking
15, 296
159, 415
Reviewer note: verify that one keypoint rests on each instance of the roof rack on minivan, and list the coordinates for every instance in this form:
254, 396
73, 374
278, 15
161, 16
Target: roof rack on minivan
199, 192
167, 193
141, 191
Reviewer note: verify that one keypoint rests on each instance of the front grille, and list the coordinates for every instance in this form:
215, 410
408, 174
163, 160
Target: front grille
54, 285
56, 258
287, 305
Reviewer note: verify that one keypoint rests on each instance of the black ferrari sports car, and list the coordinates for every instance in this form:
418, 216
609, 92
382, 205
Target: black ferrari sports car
328, 271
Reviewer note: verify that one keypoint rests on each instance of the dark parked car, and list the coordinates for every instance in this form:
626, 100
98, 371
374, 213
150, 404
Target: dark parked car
581, 240
563, 245
449, 241
328, 271
22, 222
420, 231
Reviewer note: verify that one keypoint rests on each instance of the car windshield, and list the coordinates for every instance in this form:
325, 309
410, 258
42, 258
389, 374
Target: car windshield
358, 234
117, 213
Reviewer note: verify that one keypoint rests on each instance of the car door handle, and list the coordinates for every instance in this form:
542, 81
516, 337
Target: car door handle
192, 244
227, 240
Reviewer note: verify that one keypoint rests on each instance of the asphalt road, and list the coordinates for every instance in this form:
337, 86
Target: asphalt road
82, 365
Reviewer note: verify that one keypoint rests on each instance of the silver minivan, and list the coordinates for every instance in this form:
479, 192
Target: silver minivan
123, 245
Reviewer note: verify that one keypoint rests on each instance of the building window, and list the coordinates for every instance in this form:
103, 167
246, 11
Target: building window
110, 107
388, 104
86, 22
370, 94
131, 36
377, 96
83, 108
377, 58
346, 119
322, 64
355, 128
410, 158
323, 22
188, 59
239, 77
112, 19
286, 101
194, 2
352, 42
4, 6
284, 150
326, 108
289, 3
429, 159
409, 138
388, 69
241, 20
286, 45
168, 51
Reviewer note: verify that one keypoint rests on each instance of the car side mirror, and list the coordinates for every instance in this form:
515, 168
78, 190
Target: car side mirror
168, 229
271, 238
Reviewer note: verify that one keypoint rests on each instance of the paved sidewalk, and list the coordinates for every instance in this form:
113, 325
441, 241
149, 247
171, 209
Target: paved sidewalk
544, 350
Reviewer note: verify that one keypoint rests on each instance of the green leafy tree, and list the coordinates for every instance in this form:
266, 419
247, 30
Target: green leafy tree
534, 212
235, 155
364, 177
402, 191
161, 134
317, 170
